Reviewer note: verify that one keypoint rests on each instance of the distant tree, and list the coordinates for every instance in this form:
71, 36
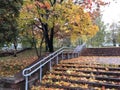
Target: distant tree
9, 12
113, 28
118, 38
99, 38
118, 34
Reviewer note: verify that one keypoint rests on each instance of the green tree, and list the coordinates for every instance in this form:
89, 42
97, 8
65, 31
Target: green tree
99, 38
118, 38
9, 12
118, 34
113, 28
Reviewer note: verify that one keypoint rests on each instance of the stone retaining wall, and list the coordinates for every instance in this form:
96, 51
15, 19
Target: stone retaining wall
101, 52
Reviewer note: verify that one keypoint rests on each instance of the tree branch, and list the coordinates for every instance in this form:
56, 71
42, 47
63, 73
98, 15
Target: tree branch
38, 26
61, 1
52, 3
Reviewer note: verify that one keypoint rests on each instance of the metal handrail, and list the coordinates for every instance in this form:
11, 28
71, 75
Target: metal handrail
29, 68
32, 69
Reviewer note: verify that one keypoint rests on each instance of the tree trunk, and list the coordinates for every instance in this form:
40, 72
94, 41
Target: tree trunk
15, 47
48, 37
34, 42
114, 42
45, 32
49, 43
46, 47
51, 48
41, 45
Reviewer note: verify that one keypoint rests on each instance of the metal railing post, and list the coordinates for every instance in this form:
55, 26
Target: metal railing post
72, 55
62, 55
68, 56
57, 60
40, 74
50, 65
26, 83
78, 54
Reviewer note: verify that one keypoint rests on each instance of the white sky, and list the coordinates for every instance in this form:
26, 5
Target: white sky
112, 12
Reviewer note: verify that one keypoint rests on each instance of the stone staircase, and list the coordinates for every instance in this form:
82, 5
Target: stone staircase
83, 73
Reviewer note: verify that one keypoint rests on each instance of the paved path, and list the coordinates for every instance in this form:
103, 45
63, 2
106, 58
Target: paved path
108, 59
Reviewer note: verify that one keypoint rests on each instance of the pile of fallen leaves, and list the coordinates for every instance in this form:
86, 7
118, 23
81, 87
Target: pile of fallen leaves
83, 73
10, 65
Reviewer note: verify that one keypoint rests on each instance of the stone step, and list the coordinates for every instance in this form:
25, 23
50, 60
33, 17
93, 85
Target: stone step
97, 67
90, 64
97, 77
88, 71
87, 74
60, 87
82, 74
89, 83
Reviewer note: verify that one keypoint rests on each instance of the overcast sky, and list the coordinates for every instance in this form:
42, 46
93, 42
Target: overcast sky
112, 12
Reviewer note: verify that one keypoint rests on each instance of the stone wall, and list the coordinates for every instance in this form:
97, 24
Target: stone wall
101, 52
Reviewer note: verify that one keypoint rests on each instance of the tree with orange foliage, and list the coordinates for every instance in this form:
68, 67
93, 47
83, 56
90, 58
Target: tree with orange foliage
61, 18
71, 18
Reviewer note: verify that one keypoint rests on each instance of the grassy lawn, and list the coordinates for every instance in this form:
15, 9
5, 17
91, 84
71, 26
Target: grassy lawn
10, 65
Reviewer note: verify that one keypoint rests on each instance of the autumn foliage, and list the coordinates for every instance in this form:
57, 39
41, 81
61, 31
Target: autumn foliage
65, 18
61, 19
84, 72
44, 5
74, 21
10, 66
93, 7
